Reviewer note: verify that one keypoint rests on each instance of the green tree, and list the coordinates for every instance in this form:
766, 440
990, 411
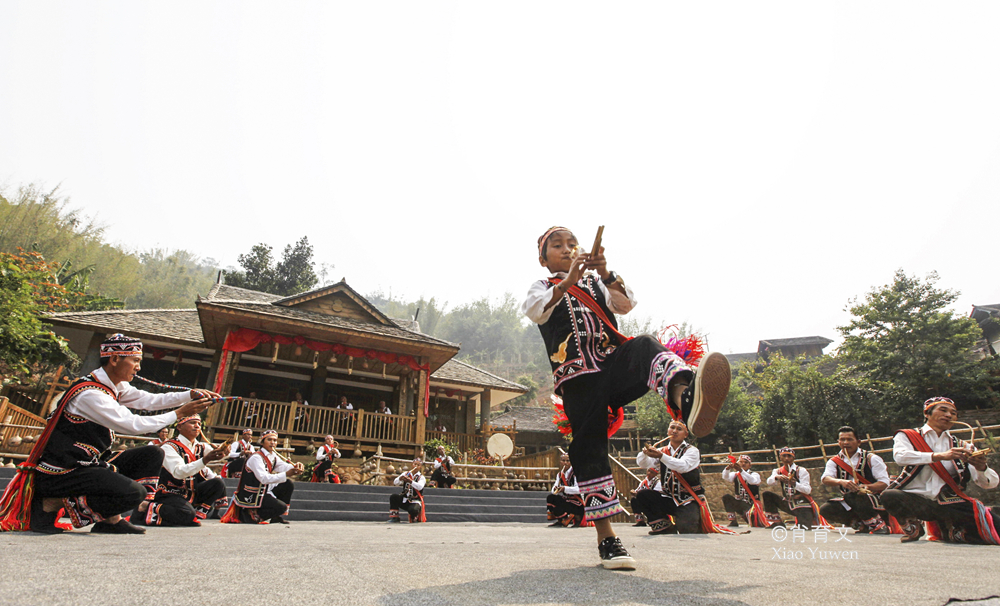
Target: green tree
172, 279
28, 290
904, 340
292, 275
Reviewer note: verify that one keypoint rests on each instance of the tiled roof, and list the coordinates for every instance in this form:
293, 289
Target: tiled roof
741, 358
528, 419
178, 324
821, 341
292, 313
223, 293
455, 371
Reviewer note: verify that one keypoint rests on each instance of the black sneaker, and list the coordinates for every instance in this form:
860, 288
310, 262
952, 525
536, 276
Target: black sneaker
393, 521
640, 523
556, 524
614, 556
707, 394
278, 520
122, 527
734, 524
42, 521
913, 529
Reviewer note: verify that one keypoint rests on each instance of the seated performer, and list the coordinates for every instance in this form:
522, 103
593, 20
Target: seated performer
71, 466
325, 454
442, 476
411, 498
746, 503
564, 504
930, 487
650, 482
187, 489
674, 508
239, 452
161, 437
264, 492
795, 496
861, 476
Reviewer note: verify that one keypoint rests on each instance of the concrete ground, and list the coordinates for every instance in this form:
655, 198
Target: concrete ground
336, 563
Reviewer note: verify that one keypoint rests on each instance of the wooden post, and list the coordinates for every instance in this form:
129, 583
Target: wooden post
290, 425
777, 459
871, 446
822, 449
420, 426
360, 421
401, 395
484, 415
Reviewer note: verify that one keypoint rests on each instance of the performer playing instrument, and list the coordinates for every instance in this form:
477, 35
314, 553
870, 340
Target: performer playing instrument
861, 476
411, 499
650, 482
325, 455
795, 496
161, 437
187, 488
71, 466
443, 464
239, 452
674, 509
265, 491
930, 487
595, 369
746, 485
564, 505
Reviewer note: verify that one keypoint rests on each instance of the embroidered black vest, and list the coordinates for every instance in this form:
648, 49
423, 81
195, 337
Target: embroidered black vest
863, 468
445, 464
250, 492
410, 494
789, 492
575, 338
741, 493
184, 488
671, 487
76, 441
947, 495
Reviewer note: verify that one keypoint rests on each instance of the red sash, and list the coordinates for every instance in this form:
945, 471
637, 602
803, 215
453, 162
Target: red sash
708, 524
820, 520
589, 302
841, 463
757, 512
984, 519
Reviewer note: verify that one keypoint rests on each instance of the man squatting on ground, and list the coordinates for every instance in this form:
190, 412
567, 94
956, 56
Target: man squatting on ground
594, 369
187, 488
443, 464
239, 452
77, 471
264, 492
795, 491
564, 505
746, 487
674, 508
930, 487
411, 498
650, 482
861, 476
325, 455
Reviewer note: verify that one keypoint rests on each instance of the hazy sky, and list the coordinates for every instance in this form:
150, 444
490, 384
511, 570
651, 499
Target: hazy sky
756, 165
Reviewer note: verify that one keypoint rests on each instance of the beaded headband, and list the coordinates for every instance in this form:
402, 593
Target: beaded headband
929, 403
268, 433
190, 418
544, 237
120, 345
786, 449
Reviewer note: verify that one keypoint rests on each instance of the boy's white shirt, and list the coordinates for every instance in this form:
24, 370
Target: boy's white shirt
541, 293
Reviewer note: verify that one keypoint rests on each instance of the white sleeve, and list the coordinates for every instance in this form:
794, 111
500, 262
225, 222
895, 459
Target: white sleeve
574, 489
256, 465
143, 400
618, 302
879, 470
234, 450
419, 483
102, 409
644, 461
399, 479
751, 477
830, 471
985, 479
773, 478
175, 465
803, 485
336, 453
688, 461
539, 295
727, 476
437, 463
320, 453
904, 453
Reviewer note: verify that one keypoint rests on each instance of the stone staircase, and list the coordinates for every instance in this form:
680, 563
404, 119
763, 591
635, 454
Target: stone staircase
357, 503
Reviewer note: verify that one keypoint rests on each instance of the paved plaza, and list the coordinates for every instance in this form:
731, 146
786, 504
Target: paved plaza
377, 564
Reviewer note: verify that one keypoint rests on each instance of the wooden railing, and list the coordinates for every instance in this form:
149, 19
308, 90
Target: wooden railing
314, 421
465, 442
30, 400
19, 429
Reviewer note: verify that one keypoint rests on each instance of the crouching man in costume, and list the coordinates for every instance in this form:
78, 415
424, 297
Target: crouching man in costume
674, 508
597, 370
188, 489
264, 492
564, 505
239, 452
746, 485
325, 455
650, 482
443, 464
71, 466
795, 496
936, 468
412, 497
861, 476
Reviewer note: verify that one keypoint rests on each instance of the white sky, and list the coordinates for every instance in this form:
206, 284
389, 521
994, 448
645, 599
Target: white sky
756, 165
